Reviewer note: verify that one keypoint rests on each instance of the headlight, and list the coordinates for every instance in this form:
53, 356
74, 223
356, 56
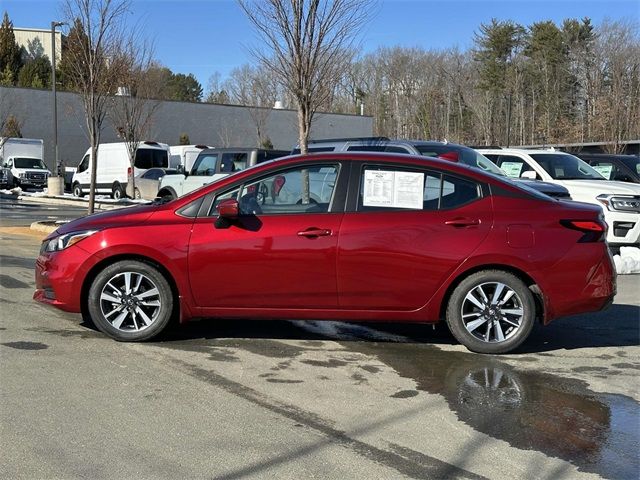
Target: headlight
620, 203
63, 241
21, 175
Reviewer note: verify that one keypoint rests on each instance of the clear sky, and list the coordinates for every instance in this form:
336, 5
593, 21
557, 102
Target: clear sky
205, 36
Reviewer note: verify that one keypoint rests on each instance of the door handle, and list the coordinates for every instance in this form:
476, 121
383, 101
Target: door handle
462, 222
314, 232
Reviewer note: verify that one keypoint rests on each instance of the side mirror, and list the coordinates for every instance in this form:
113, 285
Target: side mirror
529, 175
180, 169
228, 209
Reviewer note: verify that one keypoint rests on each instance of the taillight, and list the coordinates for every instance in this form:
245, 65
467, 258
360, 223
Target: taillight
593, 230
129, 172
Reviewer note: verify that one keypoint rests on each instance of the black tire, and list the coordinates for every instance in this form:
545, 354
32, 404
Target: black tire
167, 195
117, 192
77, 190
112, 308
491, 325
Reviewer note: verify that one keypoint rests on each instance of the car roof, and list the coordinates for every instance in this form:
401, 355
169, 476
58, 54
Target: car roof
377, 157
538, 151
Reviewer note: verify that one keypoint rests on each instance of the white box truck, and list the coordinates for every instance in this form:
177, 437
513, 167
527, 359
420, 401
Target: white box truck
114, 168
22, 163
184, 156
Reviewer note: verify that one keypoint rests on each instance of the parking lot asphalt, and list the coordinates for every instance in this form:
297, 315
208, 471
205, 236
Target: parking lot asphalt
251, 399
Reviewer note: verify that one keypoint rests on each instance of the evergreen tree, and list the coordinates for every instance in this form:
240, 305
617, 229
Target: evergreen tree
73, 45
184, 88
549, 61
497, 46
35, 74
10, 52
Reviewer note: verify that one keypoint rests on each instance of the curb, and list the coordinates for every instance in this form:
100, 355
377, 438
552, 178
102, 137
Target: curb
75, 202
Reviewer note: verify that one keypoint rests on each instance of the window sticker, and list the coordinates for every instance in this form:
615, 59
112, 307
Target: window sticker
604, 170
512, 169
393, 189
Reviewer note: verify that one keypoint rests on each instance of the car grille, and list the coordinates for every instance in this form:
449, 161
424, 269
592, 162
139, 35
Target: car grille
35, 176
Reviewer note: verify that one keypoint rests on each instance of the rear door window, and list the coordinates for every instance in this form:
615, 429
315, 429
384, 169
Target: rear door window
233, 162
386, 188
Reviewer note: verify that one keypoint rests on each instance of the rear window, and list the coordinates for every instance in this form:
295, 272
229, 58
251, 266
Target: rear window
151, 158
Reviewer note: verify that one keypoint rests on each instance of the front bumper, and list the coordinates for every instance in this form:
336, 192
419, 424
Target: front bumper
59, 277
624, 228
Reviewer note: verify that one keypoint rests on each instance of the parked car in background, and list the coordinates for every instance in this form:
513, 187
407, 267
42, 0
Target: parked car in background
114, 167
620, 201
22, 163
622, 168
213, 164
147, 183
445, 150
184, 156
390, 238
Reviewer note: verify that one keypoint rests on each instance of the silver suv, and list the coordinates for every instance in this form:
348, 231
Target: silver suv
443, 150
212, 164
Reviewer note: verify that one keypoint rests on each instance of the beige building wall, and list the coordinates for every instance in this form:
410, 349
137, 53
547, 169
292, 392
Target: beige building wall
26, 35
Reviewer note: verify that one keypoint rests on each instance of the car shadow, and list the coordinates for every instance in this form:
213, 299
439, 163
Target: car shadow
619, 326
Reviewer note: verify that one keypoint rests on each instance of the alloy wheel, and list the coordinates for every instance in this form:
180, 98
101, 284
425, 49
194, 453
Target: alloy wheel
130, 301
492, 312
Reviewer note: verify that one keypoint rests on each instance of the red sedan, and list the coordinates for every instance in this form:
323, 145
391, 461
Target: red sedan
376, 237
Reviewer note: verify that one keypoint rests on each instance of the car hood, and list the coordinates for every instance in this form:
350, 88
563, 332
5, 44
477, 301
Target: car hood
598, 187
542, 186
121, 217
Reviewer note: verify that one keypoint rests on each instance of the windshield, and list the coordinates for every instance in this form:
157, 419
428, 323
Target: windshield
562, 166
633, 163
205, 165
34, 163
461, 154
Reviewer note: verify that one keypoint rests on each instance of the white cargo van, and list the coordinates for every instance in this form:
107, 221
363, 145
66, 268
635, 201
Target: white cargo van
184, 155
114, 168
22, 162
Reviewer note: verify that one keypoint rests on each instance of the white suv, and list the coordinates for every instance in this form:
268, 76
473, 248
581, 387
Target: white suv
620, 201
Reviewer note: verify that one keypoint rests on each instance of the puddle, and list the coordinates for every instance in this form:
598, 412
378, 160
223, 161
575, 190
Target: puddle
10, 261
560, 417
26, 345
9, 282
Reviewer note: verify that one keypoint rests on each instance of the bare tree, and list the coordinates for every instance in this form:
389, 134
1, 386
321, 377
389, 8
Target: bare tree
97, 39
307, 46
134, 106
257, 90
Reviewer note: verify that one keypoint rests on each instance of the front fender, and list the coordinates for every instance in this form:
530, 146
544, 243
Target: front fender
165, 245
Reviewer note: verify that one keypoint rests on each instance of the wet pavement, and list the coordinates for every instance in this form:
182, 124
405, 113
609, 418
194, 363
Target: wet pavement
530, 410
278, 399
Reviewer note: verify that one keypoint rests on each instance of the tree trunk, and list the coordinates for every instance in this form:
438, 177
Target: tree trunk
304, 125
94, 169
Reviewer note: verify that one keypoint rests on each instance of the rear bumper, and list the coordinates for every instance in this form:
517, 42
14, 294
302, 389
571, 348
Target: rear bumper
580, 283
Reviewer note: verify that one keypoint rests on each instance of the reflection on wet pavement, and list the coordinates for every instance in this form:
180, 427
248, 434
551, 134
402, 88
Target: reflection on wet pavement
532, 411
560, 417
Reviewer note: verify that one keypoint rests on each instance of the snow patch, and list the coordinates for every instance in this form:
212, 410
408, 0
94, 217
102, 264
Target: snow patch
628, 261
